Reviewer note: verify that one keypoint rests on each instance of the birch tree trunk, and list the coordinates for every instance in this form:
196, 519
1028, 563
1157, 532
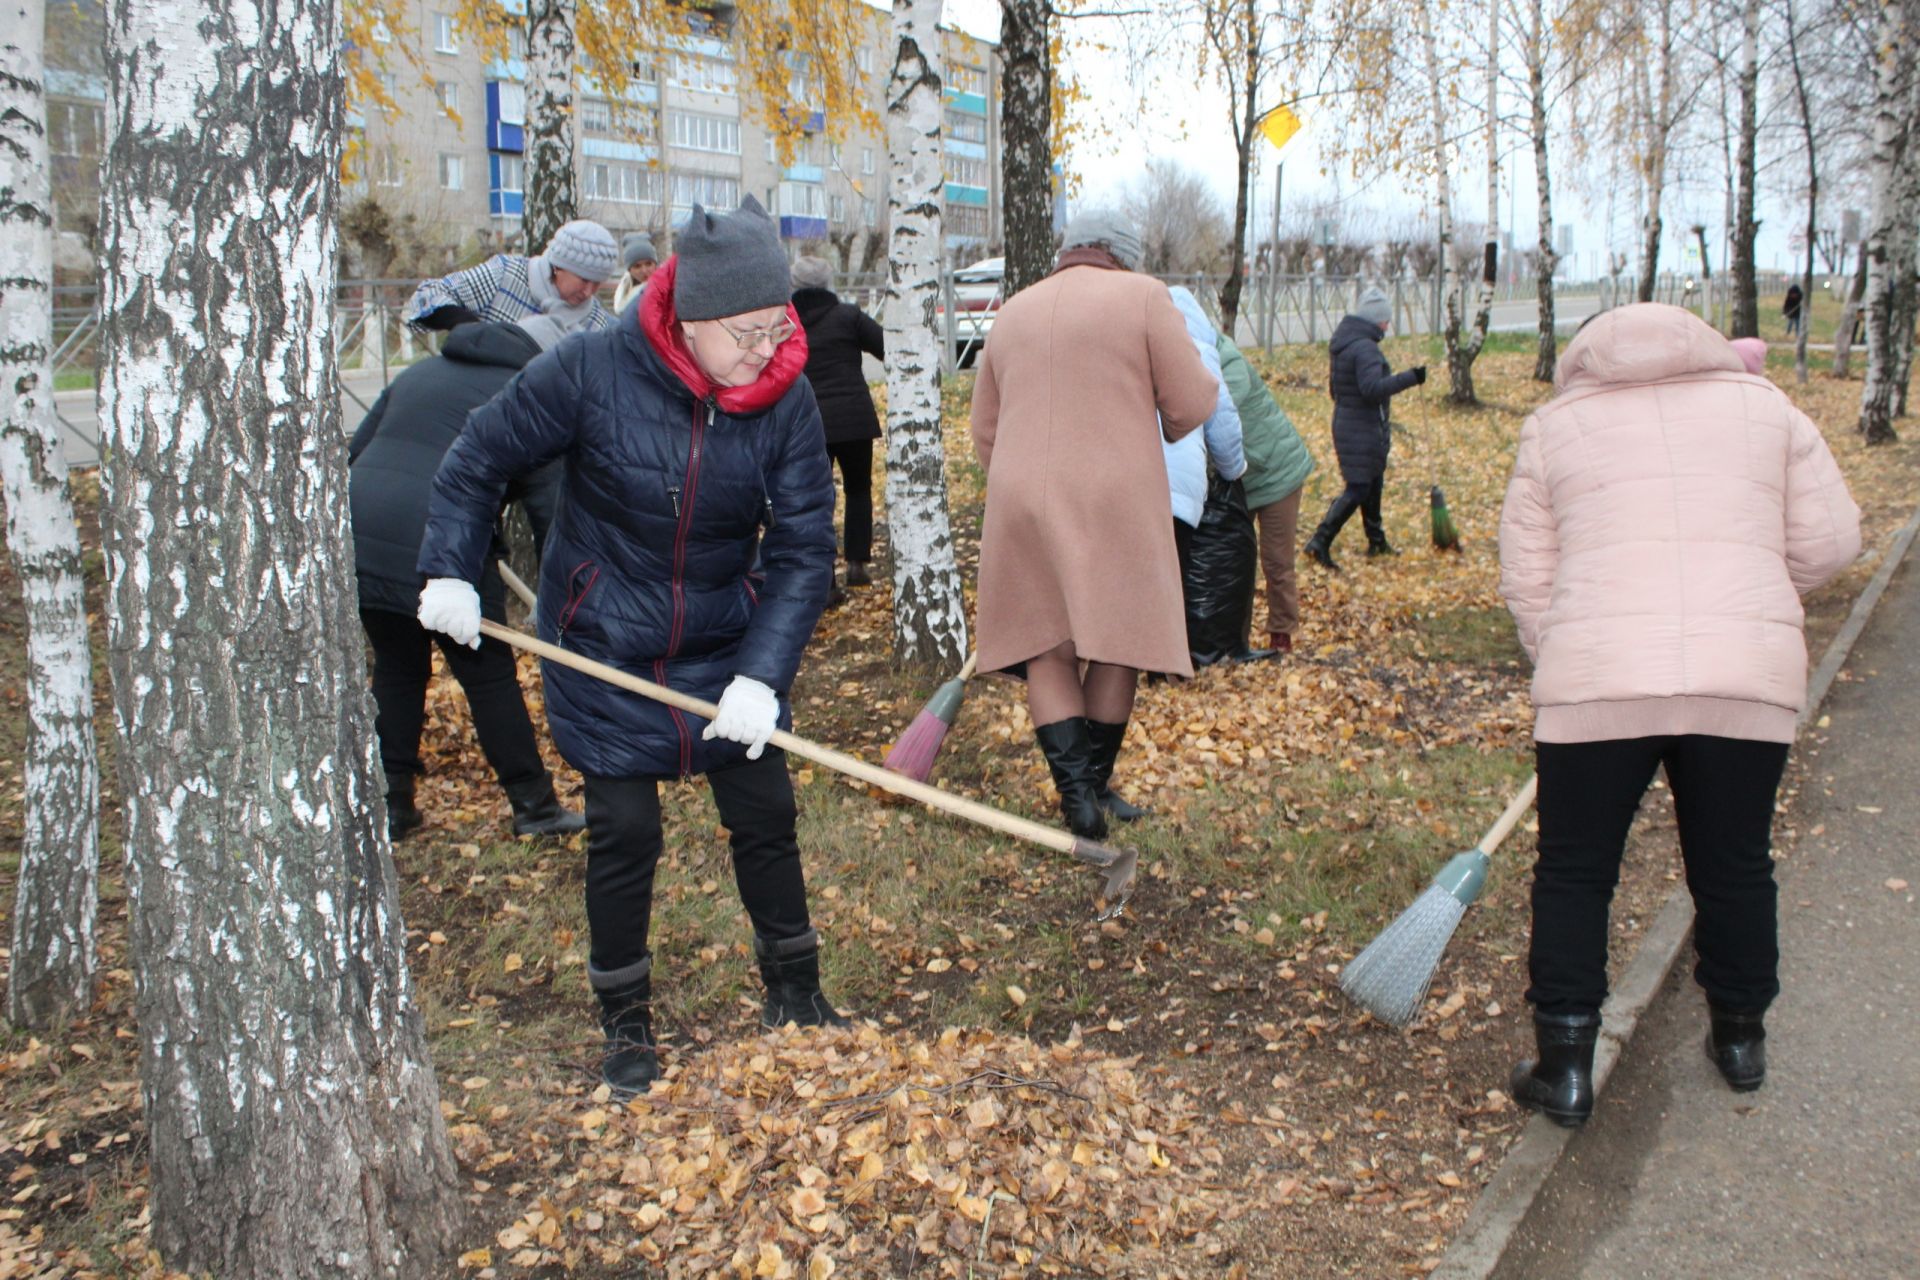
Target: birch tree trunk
56, 893
1657, 118
1451, 287
929, 614
1848, 328
289, 1101
1467, 352
1026, 141
1889, 256
1246, 45
1810, 140
1746, 299
551, 198
1547, 258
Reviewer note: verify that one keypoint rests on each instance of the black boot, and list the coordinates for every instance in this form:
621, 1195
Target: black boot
537, 810
1320, 552
1103, 741
1737, 1044
790, 971
403, 819
1559, 1083
857, 575
1380, 547
626, 1015
1069, 755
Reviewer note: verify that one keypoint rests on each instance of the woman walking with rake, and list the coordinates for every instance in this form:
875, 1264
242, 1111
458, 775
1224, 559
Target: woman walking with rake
1666, 512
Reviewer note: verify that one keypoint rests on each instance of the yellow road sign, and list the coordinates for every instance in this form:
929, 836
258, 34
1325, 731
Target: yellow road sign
1279, 125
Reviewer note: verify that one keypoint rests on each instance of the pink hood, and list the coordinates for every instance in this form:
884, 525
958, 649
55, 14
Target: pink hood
1667, 510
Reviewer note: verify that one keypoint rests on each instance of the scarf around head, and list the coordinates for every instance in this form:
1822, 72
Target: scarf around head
660, 326
540, 284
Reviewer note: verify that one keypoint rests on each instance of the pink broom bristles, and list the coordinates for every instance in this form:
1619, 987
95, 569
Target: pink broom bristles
913, 755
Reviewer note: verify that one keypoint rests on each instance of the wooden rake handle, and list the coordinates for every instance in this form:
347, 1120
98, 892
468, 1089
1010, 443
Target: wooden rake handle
1119, 864
1516, 809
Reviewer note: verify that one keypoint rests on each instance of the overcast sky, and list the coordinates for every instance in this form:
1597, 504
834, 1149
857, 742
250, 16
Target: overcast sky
1193, 131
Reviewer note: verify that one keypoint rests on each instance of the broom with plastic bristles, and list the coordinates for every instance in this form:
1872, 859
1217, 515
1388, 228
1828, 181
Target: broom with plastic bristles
1446, 534
1390, 978
913, 755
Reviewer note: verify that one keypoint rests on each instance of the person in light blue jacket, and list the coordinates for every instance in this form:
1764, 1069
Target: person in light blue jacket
1217, 443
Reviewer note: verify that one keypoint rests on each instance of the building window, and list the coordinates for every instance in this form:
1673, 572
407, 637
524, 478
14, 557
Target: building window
386, 165
449, 94
445, 35
75, 128
517, 43
698, 132
773, 150
869, 212
622, 183
837, 208
966, 127
866, 160
970, 172
703, 75
708, 189
513, 171
967, 79
966, 220
596, 115
452, 171
380, 33
803, 200
863, 59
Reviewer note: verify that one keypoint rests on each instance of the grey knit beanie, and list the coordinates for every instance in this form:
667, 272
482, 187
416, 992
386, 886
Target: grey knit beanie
728, 264
636, 247
1107, 230
1373, 306
812, 273
584, 248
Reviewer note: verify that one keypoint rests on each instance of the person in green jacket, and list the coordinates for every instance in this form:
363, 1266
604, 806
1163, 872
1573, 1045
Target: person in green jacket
1278, 464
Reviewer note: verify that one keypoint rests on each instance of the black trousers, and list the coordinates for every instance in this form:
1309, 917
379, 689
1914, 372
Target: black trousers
1723, 795
855, 460
1359, 495
1183, 547
402, 665
756, 804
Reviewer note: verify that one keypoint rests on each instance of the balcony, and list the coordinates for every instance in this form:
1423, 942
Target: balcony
798, 228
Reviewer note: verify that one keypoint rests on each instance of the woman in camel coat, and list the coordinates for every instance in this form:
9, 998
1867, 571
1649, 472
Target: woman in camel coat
1082, 377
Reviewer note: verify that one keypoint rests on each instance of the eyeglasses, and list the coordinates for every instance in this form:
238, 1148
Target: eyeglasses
748, 339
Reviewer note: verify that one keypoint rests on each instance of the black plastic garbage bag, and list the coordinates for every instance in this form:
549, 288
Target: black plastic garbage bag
1220, 575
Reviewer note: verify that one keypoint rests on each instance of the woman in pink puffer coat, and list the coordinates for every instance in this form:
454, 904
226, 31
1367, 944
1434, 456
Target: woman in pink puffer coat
1667, 511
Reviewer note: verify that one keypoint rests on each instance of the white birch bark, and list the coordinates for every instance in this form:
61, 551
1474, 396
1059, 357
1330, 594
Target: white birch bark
1469, 350
551, 197
56, 893
1746, 295
929, 614
1546, 255
1452, 290
1889, 253
289, 1101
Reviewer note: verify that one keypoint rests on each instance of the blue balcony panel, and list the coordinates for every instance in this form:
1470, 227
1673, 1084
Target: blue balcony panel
971, 103
500, 135
961, 147
506, 204
961, 193
795, 228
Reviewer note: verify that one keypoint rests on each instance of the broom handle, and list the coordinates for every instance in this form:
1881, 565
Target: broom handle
874, 775
967, 668
1516, 809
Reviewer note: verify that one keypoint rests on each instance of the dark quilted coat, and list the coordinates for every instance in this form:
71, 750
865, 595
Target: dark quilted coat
668, 499
399, 446
1362, 384
838, 333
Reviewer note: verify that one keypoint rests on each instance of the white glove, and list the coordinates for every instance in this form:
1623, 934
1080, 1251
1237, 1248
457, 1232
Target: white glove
452, 606
749, 712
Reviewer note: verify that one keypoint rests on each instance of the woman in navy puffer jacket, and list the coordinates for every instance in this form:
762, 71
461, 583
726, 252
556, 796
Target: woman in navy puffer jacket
694, 548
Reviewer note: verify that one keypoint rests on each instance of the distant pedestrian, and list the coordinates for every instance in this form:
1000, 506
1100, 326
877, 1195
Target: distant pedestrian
1792, 308
638, 260
1278, 464
1362, 385
839, 335
1083, 375
1667, 510
695, 548
393, 457
561, 282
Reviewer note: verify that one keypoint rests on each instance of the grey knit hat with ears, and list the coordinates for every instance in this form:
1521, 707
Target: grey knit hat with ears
728, 264
1107, 230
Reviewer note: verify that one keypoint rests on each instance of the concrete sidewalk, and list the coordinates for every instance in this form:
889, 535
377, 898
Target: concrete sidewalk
1817, 1174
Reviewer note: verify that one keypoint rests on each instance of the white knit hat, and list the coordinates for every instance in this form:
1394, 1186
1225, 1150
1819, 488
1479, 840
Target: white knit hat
586, 249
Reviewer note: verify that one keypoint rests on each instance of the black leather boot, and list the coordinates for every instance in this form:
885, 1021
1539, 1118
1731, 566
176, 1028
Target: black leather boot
1737, 1043
537, 810
403, 819
1069, 754
632, 1063
1559, 1083
1319, 550
1103, 742
1381, 547
790, 971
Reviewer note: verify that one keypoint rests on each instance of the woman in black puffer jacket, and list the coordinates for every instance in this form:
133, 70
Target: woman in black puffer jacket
1361, 384
838, 334
693, 454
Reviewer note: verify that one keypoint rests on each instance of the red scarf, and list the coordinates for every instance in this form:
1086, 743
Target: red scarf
660, 325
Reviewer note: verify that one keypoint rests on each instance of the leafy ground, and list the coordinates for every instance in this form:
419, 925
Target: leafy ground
1182, 1091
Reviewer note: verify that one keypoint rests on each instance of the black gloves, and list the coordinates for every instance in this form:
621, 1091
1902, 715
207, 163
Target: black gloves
1419, 373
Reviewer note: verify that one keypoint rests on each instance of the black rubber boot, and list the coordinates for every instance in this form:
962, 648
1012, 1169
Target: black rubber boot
1319, 551
1103, 741
857, 574
790, 971
403, 819
1737, 1043
632, 1063
537, 810
1069, 755
1559, 1083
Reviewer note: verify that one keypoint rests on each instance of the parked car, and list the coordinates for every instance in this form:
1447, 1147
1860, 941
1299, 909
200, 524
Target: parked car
976, 297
